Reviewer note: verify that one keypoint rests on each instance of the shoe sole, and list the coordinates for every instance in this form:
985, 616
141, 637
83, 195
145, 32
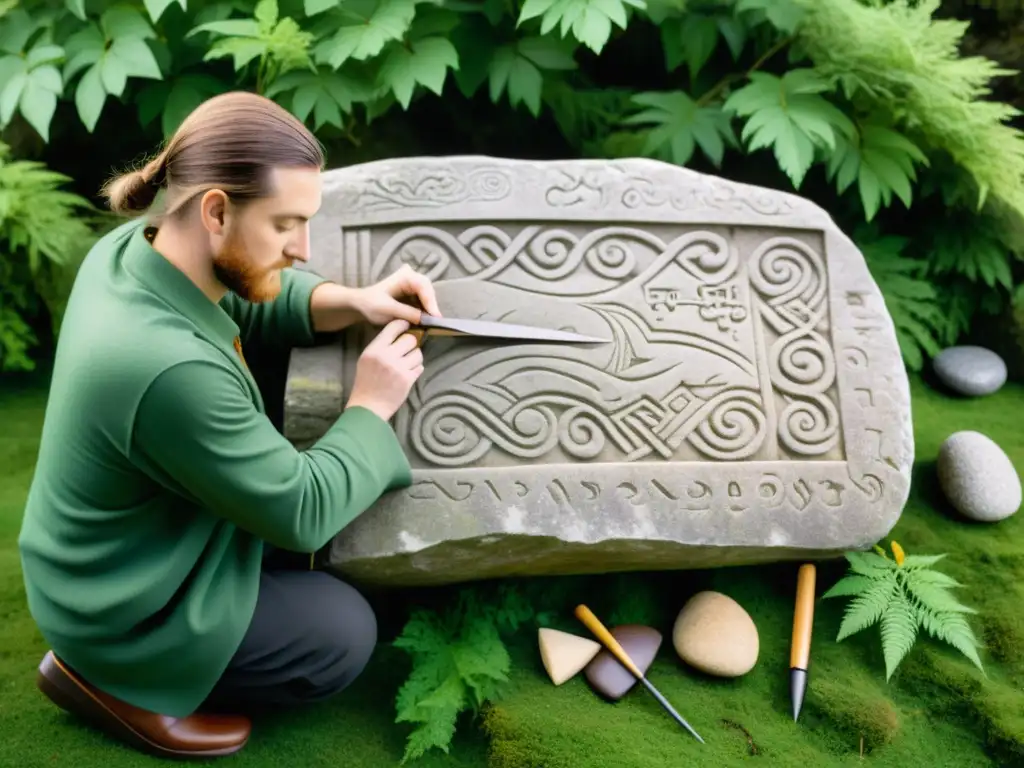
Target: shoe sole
70, 697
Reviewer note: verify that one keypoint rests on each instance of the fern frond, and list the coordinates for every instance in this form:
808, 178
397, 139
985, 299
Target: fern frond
868, 563
868, 607
937, 578
914, 562
849, 585
898, 630
951, 628
913, 67
934, 597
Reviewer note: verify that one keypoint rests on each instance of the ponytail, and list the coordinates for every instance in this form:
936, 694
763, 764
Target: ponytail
135, 191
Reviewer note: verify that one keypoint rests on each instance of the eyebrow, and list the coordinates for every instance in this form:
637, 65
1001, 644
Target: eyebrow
296, 216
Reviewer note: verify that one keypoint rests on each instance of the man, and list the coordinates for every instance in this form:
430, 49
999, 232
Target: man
160, 480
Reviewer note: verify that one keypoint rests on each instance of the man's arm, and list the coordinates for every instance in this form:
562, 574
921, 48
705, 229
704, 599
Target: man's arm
198, 433
307, 304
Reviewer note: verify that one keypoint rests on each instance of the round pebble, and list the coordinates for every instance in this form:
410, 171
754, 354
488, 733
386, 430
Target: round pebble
715, 635
977, 477
970, 370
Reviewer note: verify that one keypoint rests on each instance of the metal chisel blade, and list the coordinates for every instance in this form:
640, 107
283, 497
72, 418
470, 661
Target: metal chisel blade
486, 328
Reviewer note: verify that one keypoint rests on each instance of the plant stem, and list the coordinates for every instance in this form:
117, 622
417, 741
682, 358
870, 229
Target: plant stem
721, 84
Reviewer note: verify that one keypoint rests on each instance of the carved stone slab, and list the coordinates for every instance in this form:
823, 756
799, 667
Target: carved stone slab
752, 405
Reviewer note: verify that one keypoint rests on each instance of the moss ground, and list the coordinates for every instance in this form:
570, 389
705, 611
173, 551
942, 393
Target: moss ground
937, 710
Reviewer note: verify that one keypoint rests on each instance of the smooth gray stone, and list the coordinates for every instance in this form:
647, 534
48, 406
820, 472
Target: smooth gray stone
608, 676
752, 405
970, 370
977, 477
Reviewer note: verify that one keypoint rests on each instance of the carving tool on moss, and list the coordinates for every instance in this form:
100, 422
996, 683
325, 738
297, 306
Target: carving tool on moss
800, 649
584, 614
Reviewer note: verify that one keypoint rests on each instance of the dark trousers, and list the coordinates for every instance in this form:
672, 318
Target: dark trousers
310, 637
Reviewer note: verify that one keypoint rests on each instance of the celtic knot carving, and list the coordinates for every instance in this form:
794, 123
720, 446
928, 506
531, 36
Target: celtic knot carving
547, 255
682, 376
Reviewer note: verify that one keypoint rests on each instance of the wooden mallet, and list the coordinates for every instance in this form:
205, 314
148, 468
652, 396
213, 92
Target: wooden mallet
592, 623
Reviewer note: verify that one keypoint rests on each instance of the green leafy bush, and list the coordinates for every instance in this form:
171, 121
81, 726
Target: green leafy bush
43, 229
459, 662
868, 108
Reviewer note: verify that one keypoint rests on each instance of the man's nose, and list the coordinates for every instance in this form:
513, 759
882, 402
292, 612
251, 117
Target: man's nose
299, 251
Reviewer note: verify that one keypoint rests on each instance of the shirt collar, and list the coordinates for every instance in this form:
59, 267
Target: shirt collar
172, 285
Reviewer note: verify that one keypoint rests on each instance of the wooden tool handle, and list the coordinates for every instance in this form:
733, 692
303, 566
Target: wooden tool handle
594, 624
420, 334
803, 618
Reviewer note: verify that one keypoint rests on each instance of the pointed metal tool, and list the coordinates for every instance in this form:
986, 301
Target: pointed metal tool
444, 326
608, 640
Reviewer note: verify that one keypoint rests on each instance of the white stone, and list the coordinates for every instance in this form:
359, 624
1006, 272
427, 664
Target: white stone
977, 477
752, 405
564, 654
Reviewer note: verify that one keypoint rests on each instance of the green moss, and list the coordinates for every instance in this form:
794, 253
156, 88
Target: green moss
856, 714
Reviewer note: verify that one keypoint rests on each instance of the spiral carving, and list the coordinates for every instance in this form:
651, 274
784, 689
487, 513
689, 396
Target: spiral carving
552, 254
454, 430
809, 427
789, 275
735, 427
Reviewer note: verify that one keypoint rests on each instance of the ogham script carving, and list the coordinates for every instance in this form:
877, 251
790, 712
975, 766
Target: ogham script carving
712, 491
859, 360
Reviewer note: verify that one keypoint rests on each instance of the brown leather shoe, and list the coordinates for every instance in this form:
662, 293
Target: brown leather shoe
198, 735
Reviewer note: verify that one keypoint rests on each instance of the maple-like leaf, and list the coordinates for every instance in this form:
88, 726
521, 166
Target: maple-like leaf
790, 115
516, 68
325, 94
425, 61
680, 125
880, 160
590, 21
365, 27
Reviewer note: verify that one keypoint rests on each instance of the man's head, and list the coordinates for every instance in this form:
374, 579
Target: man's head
243, 176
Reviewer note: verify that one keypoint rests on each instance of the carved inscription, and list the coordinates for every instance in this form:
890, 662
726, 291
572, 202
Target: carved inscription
434, 188
717, 352
441, 186
737, 494
749, 402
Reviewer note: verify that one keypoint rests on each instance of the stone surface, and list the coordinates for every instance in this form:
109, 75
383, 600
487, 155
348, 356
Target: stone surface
607, 676
713, 633
977, 477
970, 370
751, 407
564, 654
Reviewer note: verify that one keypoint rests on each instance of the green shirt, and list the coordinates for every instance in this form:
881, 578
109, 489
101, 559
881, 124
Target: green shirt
159, 476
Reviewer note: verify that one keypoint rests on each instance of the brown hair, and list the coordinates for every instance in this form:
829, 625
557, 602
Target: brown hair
229, 142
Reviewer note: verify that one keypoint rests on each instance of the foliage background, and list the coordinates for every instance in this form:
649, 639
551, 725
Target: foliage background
896, 117
881, 112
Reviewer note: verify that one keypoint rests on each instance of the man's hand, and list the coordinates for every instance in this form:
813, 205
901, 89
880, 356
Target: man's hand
381, 302
386, 371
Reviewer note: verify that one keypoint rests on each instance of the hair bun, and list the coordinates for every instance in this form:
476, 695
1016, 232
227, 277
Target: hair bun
132, 192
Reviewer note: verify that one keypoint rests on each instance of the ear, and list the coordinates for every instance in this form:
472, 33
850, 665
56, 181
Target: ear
213, 210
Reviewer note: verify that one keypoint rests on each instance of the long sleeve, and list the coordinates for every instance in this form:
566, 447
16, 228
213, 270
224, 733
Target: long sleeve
283, 322
198, 433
